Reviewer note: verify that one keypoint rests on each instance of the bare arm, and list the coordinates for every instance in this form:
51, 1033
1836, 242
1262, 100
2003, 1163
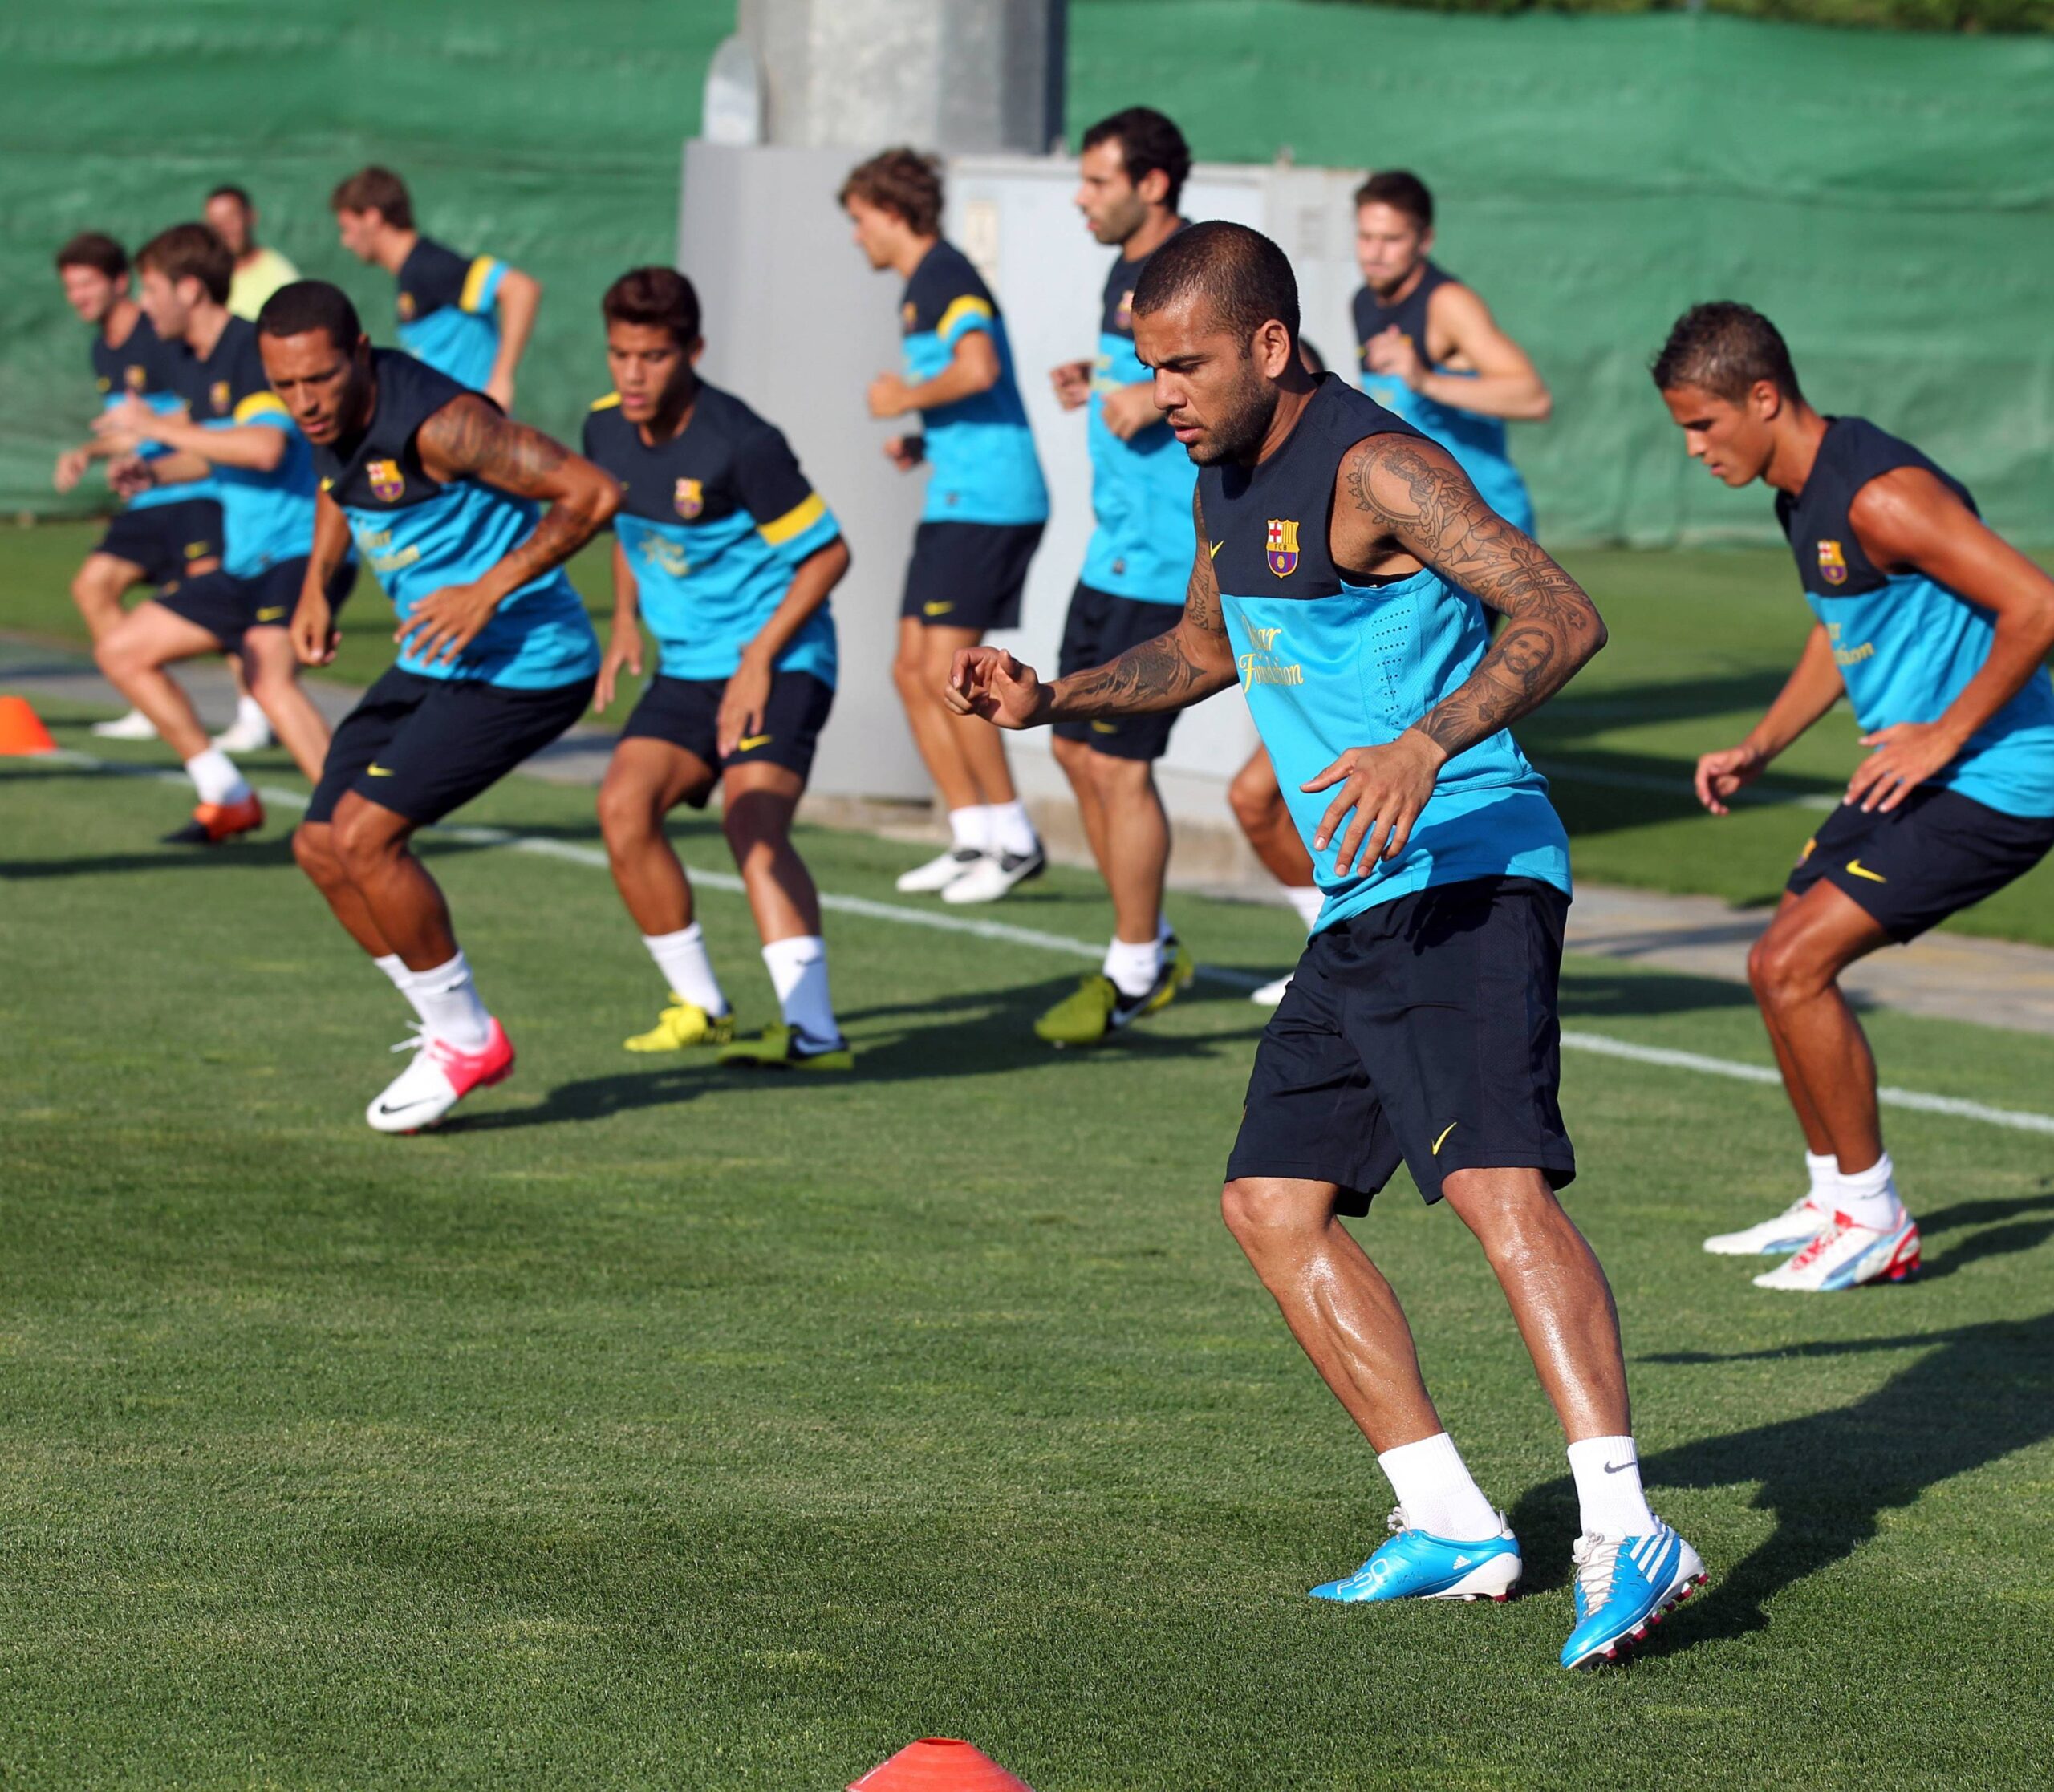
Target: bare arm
623, 633
749, 690
314, 635
973, 367
520, 297
1813, 688
1505, 383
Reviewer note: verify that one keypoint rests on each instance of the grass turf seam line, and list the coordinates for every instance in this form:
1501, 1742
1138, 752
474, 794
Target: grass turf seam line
1598, 1044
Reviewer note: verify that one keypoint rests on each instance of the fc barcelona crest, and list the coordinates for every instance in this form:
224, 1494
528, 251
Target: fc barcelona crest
135, 378
217, 396
387, 483
1832, 563
406, 307
1282, 548
691, 498
1123, 318
909, 314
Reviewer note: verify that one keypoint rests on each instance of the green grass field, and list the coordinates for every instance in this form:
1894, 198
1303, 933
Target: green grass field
647, 1427
1700, 643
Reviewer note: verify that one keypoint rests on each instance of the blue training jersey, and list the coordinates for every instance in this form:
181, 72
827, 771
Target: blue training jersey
980, 451
1477, 442
146, 366
449, 306
1907, 646
1141, 487
1327, 665
265, 516
714, 522
420, 535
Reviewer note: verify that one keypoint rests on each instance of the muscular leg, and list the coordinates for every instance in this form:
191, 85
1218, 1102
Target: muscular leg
938, 736
97, 589
273, 671
1075, 759
133, 656
981, 746
405, 904
758, 802
1258, 805
1557, 1291
1828, 1067
314, 847
1137, 843
645, 780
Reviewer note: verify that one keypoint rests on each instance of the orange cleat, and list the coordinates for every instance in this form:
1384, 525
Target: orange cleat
214, 823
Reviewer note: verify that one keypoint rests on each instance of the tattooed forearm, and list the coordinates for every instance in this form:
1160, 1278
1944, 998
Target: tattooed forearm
1413, 498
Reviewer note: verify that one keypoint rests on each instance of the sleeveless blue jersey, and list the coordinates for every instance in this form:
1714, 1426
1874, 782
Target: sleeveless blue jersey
1477, 442
1906, 644
265, 516
1140, 488
146, 366
449, 306
714, 522
420, 535
1327, 665
980, 450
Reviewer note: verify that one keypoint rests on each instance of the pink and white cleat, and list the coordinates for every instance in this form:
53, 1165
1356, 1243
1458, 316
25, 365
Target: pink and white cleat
1846, 1255
441, 1075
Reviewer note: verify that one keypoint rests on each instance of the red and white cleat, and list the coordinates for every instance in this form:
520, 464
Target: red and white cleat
441, 1075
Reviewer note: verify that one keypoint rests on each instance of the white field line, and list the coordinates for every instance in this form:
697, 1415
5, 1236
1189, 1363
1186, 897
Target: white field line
1598, 1044
1560, 772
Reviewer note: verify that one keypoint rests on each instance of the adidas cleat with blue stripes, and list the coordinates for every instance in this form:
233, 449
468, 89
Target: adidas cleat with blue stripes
1624, 1587
1415, 1566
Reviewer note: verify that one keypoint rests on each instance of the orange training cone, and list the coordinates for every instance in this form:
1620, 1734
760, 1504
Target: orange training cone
22, 731
939, 1764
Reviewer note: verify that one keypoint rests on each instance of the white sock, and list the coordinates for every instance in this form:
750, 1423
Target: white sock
1824, 1173
1133, 966
403, 980
1432, 1483
798, 972
249, 713
682, 958
1607, 1471
966, 829
1868, 1197
449, 1005
1308, 899
1008, 829
214, 775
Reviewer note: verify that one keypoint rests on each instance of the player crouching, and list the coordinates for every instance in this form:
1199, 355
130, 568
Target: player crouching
729, 555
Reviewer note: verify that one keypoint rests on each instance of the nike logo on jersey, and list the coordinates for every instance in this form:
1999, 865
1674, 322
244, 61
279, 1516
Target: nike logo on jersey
749, 742
378, 771
937, 609
1856, 869
1443, 1139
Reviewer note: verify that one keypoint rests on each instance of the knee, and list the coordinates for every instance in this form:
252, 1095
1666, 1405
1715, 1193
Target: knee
361, 843
1072, 756
1778, 968
1265, 1222
1253, 800
910, 676
313, 851
627, 814
113, 654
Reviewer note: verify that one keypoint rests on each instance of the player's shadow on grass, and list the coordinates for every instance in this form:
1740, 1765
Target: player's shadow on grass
1598, 995
267, 854
1979, 1392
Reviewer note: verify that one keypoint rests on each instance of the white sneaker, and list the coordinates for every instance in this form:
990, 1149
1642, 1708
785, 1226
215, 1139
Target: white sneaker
134, 726
1846, 1256
1792, 1230
1270, 994
441, 1075
994, 874
247, 734
937, 873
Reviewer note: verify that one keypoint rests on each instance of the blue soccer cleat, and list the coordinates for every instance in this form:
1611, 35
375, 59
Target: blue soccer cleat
1414, 1566
1624, 1585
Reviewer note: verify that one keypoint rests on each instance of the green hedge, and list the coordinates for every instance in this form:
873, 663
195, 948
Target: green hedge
1899, 15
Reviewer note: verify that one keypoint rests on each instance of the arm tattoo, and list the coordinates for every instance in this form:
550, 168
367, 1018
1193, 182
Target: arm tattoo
469, 435
1417, 499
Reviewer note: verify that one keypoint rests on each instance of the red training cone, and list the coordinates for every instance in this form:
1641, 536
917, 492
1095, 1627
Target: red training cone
939, 1764
22, 732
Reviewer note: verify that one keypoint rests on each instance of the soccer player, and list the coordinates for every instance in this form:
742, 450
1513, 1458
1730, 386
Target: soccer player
259, 271
467, 316
161, 533
233, 438
1938, 631
442, 493
728, 554
1340, 563
985, 509
1130, 176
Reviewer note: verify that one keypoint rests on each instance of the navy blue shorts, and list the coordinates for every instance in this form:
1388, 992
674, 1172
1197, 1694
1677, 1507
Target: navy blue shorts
1423, 1032
969, 575
684, 711
165, 539
422, 747
1101, 627
1936, 854
226, 606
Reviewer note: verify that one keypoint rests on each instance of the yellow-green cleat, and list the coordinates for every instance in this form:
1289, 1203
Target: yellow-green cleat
781, 1047
682, 1024
1096, 1007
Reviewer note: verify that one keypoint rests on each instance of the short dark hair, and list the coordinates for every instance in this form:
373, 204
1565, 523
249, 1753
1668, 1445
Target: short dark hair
191, 251
91, 249
375, 190
305, 304
900, 180
1148, 141
659, 297
1403, 191
1725, 347
1245, 277
240, 194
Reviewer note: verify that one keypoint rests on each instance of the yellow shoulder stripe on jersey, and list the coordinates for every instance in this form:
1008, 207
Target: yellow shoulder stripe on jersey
482, 269
607, 403
259, 406
795, 521
968, 305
